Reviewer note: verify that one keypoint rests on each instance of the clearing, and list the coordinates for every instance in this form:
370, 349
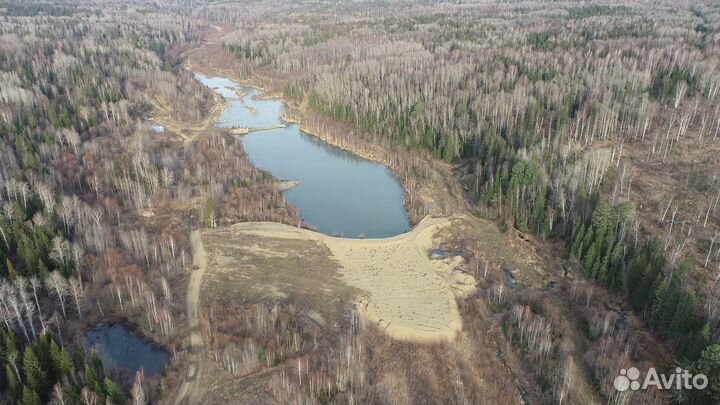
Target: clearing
394, 282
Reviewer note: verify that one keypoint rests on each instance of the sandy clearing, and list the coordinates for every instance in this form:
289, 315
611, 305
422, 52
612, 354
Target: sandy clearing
187, 130
405, 292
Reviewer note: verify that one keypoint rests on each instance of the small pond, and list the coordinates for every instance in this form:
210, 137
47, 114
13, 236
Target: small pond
120, 347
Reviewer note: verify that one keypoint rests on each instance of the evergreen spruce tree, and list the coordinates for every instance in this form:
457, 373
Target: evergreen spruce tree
684, 314
35, 375
709, 365
660, 308
12, 273
31, 397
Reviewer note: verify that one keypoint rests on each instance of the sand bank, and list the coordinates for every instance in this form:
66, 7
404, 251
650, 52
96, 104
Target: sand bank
405, 292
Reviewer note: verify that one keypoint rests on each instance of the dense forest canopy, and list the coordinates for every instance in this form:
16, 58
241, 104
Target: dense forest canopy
593, 124
76, 173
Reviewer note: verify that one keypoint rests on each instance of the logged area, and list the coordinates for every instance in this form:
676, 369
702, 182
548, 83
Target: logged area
386, 202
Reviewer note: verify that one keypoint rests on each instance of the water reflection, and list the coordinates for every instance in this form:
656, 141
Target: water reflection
339, 193
119, 347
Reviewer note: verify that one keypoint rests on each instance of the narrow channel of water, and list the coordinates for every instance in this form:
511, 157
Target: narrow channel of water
339, 193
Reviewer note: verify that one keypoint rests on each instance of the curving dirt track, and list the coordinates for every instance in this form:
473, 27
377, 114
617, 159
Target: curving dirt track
190, 390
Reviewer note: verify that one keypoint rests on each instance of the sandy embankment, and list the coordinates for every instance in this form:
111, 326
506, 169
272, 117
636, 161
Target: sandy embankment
409, 295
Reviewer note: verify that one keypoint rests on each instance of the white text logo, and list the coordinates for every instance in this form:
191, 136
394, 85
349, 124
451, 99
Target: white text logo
629, 379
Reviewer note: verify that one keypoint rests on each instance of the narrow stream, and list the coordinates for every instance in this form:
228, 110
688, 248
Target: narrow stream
339, 193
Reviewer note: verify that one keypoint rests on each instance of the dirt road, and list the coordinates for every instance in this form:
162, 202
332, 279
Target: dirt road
191, 389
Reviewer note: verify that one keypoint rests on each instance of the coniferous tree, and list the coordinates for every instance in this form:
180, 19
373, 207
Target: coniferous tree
709, 365
35, 374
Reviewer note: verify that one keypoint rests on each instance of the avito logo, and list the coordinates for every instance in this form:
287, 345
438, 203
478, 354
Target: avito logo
629, 379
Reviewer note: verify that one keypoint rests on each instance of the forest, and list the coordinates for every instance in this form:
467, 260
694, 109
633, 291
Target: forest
591, 126
80, 179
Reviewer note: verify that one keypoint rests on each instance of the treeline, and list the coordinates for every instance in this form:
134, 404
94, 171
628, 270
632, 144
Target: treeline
489, 106
95, 207
494, 103
75, 85
656, 289
652, 286
46, 372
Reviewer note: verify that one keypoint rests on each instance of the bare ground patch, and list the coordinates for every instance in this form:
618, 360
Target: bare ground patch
396, 284
244, 268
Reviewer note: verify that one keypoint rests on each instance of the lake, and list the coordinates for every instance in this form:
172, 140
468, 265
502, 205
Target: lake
339, 193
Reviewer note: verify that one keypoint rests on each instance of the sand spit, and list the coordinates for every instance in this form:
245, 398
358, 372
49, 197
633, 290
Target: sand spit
408, 294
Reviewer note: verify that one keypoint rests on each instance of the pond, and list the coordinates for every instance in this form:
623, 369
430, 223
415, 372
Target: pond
120, 347
338, 193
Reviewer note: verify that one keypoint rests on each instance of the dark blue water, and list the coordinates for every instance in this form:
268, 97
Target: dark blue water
119, 347
339, 193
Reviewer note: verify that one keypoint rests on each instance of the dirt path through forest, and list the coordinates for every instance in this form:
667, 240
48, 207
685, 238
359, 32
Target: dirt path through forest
190, 388
188, 131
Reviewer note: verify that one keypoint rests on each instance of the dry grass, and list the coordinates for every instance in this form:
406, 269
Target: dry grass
401, 289
244, 268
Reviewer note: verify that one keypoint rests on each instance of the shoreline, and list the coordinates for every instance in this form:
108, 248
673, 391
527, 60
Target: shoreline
296, 117
331, 141
285, 185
